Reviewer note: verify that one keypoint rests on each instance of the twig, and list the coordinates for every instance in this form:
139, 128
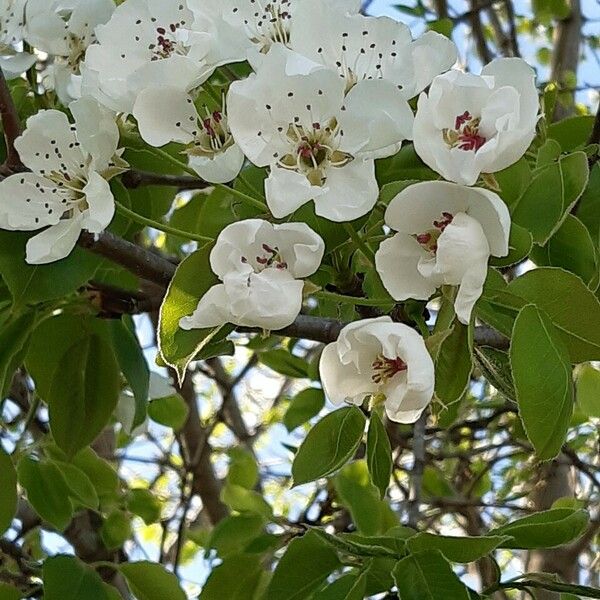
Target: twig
12, 129
134, 179
416, 477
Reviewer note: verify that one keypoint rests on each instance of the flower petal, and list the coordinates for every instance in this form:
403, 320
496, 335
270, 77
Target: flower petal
220, 168
286, 191
54, 243
101, 204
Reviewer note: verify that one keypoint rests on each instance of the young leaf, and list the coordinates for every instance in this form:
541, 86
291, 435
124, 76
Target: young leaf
379, 454
83, 394
236, 578
308, 561
67, 578
453, 364
171, 411
150, 581
546, 529
427, 575
329, 444
456, 549
543, 381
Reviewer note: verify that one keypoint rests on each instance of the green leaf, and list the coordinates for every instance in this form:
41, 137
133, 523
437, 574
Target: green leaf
80, 485
243, 469
573, 132
564, 297
306, 564
351, 586
150, 581
572, 249
371, 515
67, 578
244, 500
546, 529
83, 394
567, 178
513, 181
116, 529
406, 164
132, 362
236, 578
379, 454
171, 411
427, 575
31, 284
495, 365
587, 391
456, 549
103, 476
192, 280
283, 362
47, 491
454, 364
233, 534
543, 381
8, 592
144, 504
519, 244
303, 407
328, 445
14, 337
350, 546
8, 485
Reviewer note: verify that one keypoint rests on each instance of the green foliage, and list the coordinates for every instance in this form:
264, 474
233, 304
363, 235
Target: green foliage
379, 454
303, 407
67, 578
150, 581
328, 445
8, 485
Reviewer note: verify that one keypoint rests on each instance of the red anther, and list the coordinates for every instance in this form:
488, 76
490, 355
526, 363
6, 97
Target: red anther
471, 141
217, 116
244, 259
262, 261
462, 119
448, 216
161, 30
317, 126
268, 248
424, 238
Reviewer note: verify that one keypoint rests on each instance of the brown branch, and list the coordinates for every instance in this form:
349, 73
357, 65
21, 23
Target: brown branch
134, 179
595, 135
477, 28
12, 128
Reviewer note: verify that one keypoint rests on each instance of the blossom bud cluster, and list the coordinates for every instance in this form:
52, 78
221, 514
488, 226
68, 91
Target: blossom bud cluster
325, 93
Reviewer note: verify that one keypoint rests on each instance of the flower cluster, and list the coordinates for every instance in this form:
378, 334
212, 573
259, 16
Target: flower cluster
323, 93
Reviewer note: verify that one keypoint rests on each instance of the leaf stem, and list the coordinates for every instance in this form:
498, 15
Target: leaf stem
360, 243
160, 226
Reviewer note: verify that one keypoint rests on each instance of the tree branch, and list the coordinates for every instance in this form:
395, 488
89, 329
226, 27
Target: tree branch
134, 179
12, 128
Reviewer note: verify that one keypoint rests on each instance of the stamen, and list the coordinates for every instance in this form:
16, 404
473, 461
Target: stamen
385, 368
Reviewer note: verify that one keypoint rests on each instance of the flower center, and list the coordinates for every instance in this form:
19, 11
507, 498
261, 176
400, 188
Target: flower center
429, 239
167, 42
212, 135
465, 135
270, 258
385, 368
271, 25
314, 150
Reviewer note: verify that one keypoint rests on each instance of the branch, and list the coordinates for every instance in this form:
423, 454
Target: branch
134, 179
12, 128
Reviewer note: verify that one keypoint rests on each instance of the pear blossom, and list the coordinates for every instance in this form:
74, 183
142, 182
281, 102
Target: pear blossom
167, 114
369, 48
65, 30
303, 127
245, 29
382, 359
13, 62
446, 234
469, 124
261, 266
145, 43
67, 190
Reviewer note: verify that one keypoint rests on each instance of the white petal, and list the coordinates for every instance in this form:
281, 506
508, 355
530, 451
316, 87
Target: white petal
396, 261
49, 143
415, 208
97, 130
470, 290
46, 30
286, 191
220, 168
165, 114
349, 192
375, 129
212, 310
300, 247
54, 243
15, 65
101, 205
87, 15
29, 202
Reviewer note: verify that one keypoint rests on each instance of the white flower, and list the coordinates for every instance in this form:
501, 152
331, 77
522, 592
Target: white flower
446, 233
246, 28
365, 48
261, 266
379, 357
12, 20
167, 114
470, 124
65, 30
145, 43
292, 115
67, 189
